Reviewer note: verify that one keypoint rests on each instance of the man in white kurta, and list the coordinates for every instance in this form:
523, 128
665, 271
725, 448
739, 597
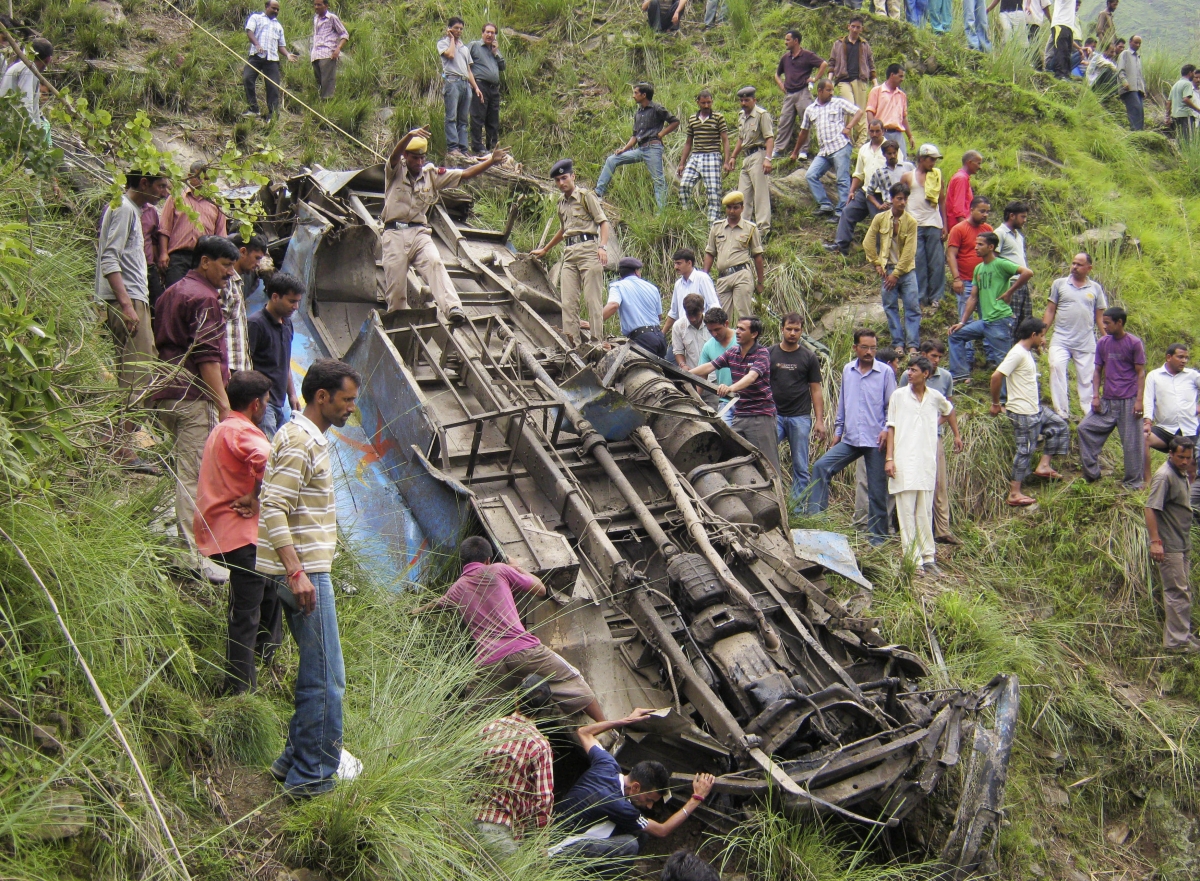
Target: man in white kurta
914, 412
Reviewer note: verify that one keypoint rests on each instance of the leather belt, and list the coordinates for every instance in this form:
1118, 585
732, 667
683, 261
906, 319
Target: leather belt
400, 224
730, 270
582, 237
646, 329
750, 151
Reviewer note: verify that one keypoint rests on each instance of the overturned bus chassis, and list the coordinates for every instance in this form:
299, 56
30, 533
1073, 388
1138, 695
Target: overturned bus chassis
661, 534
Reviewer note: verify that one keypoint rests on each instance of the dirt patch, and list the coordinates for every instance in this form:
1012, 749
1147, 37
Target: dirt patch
250, 801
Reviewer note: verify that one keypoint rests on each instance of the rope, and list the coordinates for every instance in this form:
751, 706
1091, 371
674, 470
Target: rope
242, 59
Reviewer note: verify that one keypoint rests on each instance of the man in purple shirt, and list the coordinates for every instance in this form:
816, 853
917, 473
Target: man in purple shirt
329, 37
754, 411
189, 333
1121, 371
860, 431
483, 595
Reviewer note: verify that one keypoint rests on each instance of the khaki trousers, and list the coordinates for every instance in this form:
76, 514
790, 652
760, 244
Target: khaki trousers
941, 494
189, 423
1177, 600
135, 353
914, 510
736, 293
856, 93
582, 273
754, 186
893, 9
414, 247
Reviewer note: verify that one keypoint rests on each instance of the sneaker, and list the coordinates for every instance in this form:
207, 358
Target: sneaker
215, 574
348, 766
825, 209
803, 157
835, 248
457, 316
933, 569
250, 114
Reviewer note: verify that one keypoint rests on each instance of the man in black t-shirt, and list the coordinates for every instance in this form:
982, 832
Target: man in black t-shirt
270, 335
796, 388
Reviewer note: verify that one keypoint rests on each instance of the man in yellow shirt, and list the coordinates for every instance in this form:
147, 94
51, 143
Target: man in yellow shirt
891, 246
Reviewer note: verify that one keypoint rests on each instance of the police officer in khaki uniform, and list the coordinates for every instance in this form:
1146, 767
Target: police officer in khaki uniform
585, 228
756, 143
410, 189
735, 245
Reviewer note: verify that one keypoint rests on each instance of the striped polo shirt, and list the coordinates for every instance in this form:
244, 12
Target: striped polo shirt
755, 399
706, 133
297, 500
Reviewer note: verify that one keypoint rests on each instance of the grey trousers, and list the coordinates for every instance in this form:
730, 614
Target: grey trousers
1177, 600
1114, 413
763, 432
794, 105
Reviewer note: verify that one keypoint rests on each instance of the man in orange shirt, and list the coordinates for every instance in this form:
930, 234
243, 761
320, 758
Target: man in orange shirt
178, 235
961, 256
226, 526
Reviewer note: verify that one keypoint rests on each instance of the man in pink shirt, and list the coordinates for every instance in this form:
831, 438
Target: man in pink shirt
226, 526
888, 103
508, 652
959, 193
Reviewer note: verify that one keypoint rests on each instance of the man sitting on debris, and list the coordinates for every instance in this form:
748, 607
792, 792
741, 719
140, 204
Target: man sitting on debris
603, 795
639, 305
411, 189
483, 595
519, 772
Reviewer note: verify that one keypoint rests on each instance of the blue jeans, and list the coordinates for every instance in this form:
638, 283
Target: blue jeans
457, 94
797, 430
975, 22
940, 14
314, 741
714, 11
908, 335
838, 457
275, 418
840, 163
997, 340
962, 302
931, 265
652, 155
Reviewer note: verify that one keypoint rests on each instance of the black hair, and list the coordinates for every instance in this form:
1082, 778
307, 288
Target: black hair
791, 318
133, 177
214, 248
255, 242
862, 332
1116, 313
1179, 442
683, 865
716, 315
894, 68
755, 324
892, 144
887, 355
454, 19
899, 188
856, 18
1188, 70
794, 33
923, 363
1175, 347
534, 695
475, 549
245, 387
693, 304
42, 48
327, 374
1014, 208
703, 93
980, 200
282, 283
990, 237
651, 776
1029, 327
933, 346
646, 89
1089, 257
685, 254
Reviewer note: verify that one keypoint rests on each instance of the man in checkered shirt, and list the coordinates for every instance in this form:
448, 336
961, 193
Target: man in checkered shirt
519, 774
704, 155
828, 115
265, 32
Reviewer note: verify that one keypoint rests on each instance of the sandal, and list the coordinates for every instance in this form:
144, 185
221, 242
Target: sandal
1022, 502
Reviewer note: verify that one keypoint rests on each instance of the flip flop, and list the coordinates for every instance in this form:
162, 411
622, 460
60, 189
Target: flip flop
1052, 475
1023, 502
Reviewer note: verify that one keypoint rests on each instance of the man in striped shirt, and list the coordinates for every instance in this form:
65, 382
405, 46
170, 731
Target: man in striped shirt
233, 301
704, 154
297, 533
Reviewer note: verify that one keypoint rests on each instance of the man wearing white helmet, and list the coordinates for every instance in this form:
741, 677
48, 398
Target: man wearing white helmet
411, 189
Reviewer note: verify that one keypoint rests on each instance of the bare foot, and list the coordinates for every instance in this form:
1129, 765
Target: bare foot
1049, 475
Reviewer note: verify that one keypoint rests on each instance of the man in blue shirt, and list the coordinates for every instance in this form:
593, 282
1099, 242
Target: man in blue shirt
603, 794
639, 305
860, 431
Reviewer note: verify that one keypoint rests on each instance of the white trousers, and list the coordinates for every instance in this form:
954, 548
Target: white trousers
1085, 366
914, 510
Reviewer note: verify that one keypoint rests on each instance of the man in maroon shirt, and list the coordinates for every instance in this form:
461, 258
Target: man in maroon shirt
189, 333
793, 75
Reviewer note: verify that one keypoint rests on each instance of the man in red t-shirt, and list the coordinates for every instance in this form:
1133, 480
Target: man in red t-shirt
483, 595
958, 193
960, 252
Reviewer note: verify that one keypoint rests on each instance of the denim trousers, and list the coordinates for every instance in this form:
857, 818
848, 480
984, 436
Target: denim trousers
997, 340
457, 94
962, 302
931, 265
715, 11
797, 430
908, 334
975, 23
1134, 110
275, 418
840, 163
652, 155
838, 457
314, 741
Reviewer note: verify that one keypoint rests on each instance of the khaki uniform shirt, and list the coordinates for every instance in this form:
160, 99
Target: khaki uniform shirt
755, 127
580, 213
733, 245
407, 200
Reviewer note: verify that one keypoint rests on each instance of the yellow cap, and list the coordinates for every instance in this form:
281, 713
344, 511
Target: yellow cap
418, 146
732, 198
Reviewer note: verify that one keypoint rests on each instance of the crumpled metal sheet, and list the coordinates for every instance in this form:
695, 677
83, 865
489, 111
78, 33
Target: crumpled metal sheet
831, 550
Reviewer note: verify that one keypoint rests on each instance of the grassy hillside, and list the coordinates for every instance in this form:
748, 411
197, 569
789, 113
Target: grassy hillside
1104, 775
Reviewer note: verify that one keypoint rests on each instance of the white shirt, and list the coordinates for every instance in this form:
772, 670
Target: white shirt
870, 160
1021, 369
1012, 244
688, 341
915, 449
1075, 318
1170, 400
699, 283
20, 79
1063, 14
919, 207
269, 33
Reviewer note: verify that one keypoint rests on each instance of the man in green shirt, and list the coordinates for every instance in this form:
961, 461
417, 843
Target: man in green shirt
993, 284
1185, 106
